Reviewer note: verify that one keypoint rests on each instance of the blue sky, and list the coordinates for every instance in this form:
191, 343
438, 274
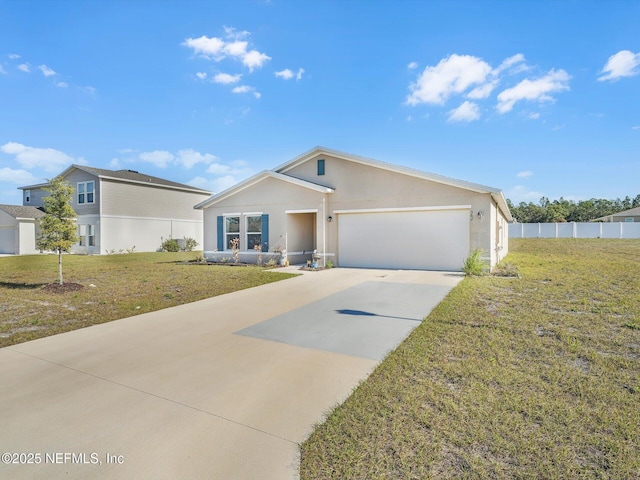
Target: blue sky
536, 98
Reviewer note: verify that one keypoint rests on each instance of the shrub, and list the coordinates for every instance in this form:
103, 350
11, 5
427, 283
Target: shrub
170, 245
473, 265
190, 244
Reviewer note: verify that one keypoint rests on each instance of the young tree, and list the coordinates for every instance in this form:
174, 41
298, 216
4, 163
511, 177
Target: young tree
58, 226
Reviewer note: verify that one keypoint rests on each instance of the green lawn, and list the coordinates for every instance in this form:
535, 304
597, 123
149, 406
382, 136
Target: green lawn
115, 286
532, 377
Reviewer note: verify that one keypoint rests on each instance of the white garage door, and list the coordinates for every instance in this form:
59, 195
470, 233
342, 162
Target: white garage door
416, 239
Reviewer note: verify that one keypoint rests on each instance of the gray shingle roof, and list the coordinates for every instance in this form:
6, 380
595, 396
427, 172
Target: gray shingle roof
17, 211
134, 176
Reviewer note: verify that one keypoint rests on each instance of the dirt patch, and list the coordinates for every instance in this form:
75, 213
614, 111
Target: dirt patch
64, 288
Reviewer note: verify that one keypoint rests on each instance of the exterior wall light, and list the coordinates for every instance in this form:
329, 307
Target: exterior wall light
480, 215
329, 218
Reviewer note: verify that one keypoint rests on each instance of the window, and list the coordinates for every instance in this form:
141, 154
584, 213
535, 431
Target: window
254, 231
628, 220
87, 235
231, 229
320, 167
27, 196
91, 235
85, 192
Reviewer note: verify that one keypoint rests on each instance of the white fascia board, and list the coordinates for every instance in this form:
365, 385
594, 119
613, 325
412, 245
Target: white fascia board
256, 179
307, 210
502, 205
405, 209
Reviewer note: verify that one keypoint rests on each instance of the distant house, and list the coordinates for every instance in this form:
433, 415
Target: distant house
120, 209
356, 212
19, 229
632, 215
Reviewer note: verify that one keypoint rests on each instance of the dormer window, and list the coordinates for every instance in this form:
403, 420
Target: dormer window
86, 192
321, 167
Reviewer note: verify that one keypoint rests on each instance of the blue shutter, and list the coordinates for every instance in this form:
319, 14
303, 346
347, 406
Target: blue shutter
220, 233
265, 232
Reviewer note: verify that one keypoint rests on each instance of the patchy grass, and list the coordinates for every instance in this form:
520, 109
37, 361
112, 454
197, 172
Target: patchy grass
531, 377
123, 285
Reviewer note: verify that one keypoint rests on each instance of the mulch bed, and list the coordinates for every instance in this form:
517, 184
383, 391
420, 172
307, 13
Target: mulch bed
64, 288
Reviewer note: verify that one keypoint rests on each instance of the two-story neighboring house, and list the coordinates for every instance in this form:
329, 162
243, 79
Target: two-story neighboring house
121, 209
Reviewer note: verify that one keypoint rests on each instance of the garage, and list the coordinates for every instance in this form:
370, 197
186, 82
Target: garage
429, 238
7, 239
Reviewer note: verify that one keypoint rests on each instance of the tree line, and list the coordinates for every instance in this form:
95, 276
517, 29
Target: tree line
547, 211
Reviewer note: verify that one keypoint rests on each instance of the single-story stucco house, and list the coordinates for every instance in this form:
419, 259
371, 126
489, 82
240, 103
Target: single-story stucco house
121, 209
630, 216
356, 212
19, 229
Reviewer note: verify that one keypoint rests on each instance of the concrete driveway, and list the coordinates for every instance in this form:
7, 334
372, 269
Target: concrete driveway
224, 388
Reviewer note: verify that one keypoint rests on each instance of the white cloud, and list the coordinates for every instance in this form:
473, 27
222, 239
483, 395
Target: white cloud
520, 193
231, 32
636, 127
412, 65
207, 47
483, 91
46, 71
201, 75
467, 112
452, 75
247, 89
115, 164
89, 90
224, 175
533, 116
524, 174
159, 158
622, 64
24, 67
534, 90
188, 158
254, 59
507, 63
13, 56
286, 74
46, 159
17, 177
2, 71
218, 49
61, 84
226, 78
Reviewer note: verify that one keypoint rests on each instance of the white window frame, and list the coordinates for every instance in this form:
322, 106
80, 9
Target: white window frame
27, 196
82, 235
247, 232
85, 192
227, 233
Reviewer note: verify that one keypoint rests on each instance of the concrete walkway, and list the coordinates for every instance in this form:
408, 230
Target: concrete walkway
224, 388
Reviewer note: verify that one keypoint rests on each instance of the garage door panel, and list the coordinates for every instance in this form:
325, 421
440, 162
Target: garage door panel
433, 240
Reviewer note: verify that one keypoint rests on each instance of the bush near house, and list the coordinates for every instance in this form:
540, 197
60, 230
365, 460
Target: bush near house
531, 377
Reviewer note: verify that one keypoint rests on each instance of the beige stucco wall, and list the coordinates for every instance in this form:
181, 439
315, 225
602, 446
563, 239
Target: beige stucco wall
133, 200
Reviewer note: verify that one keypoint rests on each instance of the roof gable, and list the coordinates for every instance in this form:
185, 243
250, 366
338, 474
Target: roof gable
259, 178
496, 193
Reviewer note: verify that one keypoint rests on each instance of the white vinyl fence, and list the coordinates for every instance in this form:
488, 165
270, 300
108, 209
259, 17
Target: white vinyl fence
575, 230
